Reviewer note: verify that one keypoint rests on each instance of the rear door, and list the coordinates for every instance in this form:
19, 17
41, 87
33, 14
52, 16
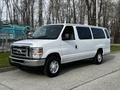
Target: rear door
107, 42
84, 42
99, 38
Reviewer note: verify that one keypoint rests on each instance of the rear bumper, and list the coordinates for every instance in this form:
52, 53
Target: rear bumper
26, 62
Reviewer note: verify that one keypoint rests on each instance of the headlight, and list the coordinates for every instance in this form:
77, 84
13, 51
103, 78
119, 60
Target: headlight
37, 52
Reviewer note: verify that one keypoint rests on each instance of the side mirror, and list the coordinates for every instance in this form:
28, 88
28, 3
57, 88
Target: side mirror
29, 35
65, 36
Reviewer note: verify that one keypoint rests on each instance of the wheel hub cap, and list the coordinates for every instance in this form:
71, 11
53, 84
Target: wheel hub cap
99, 58
54, 66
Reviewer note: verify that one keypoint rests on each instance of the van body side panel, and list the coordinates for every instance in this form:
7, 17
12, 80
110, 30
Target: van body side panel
107, 47
103, 43
52, 47
107, 42
68, 49
85, 46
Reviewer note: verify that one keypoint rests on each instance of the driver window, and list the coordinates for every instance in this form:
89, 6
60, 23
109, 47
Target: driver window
68, 33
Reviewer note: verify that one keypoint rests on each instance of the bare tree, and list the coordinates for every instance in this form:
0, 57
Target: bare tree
74, 12
116, 25
8, 5
32, 13
1, 11
91, 11
40, 12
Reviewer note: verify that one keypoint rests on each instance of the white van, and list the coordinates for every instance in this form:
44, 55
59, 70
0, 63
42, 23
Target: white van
55, 44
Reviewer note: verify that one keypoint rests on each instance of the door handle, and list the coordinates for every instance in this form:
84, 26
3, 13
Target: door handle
76, 46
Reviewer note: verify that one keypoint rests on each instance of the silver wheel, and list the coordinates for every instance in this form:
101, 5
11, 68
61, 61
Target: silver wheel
54, 67
99, 58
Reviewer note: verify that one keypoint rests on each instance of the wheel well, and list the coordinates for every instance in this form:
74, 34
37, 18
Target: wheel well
55, 54
100, 50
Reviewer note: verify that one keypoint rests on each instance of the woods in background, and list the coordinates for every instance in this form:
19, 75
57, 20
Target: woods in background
39, 12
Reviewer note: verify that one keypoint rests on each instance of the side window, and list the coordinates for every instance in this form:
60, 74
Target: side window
98, 33
68, 33
84, 33
107, 34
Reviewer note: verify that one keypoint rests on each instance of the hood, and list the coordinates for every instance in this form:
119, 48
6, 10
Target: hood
32, 42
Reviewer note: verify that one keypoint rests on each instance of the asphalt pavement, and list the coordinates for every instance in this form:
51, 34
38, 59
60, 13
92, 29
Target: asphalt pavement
82, 75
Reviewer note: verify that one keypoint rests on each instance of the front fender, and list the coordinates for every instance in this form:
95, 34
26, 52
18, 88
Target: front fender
50, 51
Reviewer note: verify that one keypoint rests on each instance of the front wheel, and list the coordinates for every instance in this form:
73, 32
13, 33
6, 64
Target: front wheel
52, 66
98, 59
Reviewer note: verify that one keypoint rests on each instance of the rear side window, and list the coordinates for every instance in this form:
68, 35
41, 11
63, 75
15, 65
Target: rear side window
107, 34
98, 33
84, 33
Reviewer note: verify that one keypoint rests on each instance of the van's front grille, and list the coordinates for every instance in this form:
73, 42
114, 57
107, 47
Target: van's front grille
20, 51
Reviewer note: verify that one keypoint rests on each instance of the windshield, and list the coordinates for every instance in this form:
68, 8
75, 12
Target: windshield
48, 32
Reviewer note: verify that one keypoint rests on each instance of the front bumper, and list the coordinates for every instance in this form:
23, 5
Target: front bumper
26, 62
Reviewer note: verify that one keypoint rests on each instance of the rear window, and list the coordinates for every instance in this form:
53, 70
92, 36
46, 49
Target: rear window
84, 33
98, 33
107, 34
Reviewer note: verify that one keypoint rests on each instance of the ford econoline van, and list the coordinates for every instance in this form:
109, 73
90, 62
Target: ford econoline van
55, 44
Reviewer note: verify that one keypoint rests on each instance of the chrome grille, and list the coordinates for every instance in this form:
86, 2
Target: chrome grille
20, 51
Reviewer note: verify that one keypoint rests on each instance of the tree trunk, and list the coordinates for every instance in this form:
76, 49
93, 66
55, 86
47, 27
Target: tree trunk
74, 12
40, 12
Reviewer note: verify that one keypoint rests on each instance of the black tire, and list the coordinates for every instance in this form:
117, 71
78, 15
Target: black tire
48, 68
98, 59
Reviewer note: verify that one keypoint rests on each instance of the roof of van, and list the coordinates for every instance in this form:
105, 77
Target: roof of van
69, 24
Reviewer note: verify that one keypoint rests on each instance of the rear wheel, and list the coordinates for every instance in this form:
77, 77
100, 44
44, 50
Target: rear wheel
98, 59
52, 66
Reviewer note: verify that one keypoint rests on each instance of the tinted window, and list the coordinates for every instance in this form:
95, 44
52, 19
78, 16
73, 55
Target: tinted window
98, 33
84, 33
107, 34
69, 33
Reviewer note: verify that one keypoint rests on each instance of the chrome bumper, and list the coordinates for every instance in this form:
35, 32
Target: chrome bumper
26, 62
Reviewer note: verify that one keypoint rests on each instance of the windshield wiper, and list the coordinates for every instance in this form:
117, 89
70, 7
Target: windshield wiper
41, 37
